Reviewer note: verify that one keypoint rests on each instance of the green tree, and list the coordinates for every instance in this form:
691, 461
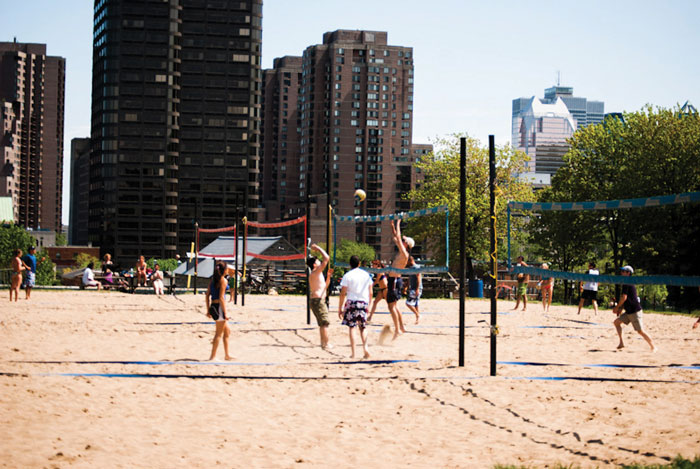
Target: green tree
647, 153
61, 239
346, 249
13, 237
567, 240
441, 187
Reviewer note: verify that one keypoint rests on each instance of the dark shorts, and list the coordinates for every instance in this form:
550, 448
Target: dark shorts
355, 313
394, 289
590, 295
320, 310
216, 313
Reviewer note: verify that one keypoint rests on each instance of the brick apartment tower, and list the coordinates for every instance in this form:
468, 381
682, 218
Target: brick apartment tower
355, 116
32, 93
281, 124
175, 121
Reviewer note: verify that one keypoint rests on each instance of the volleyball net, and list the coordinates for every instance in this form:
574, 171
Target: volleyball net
392, 217
655, 201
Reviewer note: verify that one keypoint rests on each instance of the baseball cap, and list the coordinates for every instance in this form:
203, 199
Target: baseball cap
409, 241
628, 268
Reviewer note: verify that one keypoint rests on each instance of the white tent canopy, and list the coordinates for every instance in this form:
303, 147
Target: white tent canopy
223, 248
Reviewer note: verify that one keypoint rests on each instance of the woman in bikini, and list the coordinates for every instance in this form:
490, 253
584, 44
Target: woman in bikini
216, 309
17, 267
547, 284
380, 281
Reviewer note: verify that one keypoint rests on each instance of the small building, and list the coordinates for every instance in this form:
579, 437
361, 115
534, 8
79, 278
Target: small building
65, 256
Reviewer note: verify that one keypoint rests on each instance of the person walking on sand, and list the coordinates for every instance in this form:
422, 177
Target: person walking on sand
318, 285
546, 285
394, 284
29, 260
589, 290
216, 309
415, 288
355, 293
17, 267
629, 301
380, 281
521, 290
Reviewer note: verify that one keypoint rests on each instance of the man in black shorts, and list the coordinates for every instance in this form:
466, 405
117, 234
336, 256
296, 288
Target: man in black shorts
590, 290
629, 301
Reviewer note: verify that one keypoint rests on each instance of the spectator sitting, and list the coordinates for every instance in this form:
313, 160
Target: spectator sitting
157, 280
89, 277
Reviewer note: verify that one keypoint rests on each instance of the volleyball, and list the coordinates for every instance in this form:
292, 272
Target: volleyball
360, 195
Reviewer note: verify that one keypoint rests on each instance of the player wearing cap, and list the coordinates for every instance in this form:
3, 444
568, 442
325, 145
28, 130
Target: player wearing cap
629, 301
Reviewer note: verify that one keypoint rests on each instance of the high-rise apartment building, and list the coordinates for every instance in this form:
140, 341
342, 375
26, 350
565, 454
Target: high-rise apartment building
541, 127
32, 92
79, 191
350, 99
175, 121
281, 124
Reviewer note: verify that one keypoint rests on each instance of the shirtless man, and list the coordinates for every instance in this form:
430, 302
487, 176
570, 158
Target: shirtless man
317, 288
404, 244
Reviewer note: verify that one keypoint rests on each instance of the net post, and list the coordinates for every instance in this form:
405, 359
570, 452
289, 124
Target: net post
508, 221
308, 273
245, 254
196, 257
462, 239
494, 259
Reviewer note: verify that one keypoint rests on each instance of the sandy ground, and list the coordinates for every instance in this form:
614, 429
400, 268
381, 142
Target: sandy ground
105, 379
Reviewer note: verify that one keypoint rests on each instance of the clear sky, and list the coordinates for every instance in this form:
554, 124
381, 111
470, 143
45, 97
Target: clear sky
471, 58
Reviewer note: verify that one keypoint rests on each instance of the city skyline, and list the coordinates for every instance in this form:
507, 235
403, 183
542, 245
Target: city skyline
475, 56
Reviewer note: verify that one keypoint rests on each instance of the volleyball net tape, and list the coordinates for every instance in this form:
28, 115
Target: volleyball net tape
281, 224
656, 201
216, 230
615, 279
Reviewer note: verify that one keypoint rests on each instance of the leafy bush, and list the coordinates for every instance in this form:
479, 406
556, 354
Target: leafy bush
167, 265
45, 269
83, 259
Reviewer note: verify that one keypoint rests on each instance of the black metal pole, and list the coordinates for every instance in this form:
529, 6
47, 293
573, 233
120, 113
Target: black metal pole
494, 259
462, 239
328, 223
308, 280
235, 253
196, 256
245, 244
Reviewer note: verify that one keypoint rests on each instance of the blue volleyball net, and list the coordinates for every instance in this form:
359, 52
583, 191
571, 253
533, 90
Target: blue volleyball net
656, 201
398, 216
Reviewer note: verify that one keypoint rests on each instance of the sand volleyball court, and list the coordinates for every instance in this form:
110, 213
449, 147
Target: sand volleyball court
105, 379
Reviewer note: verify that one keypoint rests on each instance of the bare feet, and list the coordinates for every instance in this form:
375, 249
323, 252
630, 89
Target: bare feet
654, 349
417, 318
697, 323
620, 346
228, 357
366, 355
